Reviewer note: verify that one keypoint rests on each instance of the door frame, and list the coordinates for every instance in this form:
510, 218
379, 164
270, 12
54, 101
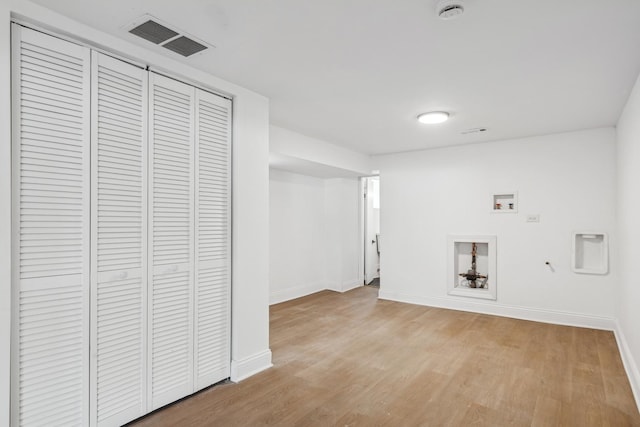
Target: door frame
363, 225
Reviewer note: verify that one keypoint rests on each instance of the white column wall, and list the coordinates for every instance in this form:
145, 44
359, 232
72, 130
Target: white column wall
250, 237
628, 206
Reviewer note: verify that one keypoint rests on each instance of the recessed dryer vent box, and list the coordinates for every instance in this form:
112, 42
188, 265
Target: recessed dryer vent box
590, 253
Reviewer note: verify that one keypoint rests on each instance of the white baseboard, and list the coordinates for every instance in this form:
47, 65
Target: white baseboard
525, 313
295, 292
333, 286
302, 291
244, 368
352, 284
344, 286
630, 365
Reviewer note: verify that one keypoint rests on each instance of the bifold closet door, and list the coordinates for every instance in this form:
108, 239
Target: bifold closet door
213, 240
119, 233
51, 234
171, 243
121, 271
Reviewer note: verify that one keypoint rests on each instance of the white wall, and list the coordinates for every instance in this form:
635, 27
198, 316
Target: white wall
566, 178
250, 352
628, 206
295, 145
344, 271
315, 215
250, 309
289, 143
314, 229
297, 228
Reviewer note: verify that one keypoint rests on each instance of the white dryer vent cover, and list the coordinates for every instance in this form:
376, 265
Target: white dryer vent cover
151, 29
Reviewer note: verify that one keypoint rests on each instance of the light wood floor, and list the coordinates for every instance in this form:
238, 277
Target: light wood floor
352, 360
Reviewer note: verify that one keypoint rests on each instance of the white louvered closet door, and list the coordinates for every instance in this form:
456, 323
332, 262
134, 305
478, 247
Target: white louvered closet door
171, 241
119, 233
213, 240
50, 359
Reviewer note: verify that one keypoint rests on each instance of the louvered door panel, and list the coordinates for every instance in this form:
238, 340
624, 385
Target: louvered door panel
119, 216
171, 240
50, 230
212, 256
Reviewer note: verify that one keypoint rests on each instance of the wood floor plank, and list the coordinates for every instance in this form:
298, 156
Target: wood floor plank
353, 360
547, 412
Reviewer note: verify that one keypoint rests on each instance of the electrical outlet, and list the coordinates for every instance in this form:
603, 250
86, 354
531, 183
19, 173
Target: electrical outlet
533, 218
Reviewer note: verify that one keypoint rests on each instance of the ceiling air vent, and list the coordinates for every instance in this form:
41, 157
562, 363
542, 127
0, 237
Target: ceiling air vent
449, 9
473, 130
151, 29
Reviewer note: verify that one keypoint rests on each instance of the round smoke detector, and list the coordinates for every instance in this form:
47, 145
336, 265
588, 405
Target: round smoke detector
449, 9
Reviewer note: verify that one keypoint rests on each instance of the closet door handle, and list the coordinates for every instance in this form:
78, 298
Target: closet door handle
171, 269
119, 276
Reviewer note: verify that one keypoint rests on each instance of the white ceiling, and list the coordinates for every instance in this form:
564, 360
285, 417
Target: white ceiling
358, 72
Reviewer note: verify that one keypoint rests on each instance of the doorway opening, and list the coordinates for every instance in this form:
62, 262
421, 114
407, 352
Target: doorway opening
371, 232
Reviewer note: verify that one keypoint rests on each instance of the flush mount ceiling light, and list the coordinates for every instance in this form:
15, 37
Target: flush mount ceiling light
433, 117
